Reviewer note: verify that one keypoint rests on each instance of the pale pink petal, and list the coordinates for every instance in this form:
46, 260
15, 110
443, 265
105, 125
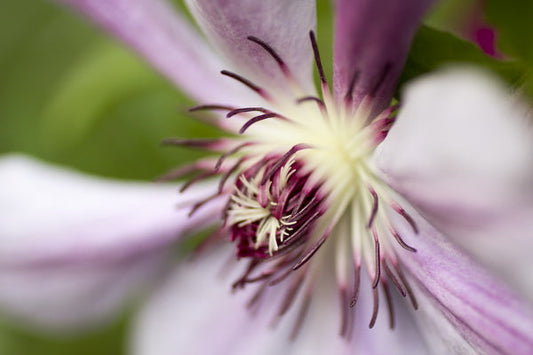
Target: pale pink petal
50, 213
461, 148
75, 246
461, 151
372, 39
67, 298
486, 314
167, 41
283, 25
195, 312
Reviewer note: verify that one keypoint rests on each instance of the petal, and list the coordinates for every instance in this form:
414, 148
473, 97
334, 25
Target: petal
65, 299
461, 147
76, 248
81, 218
372, 39
195, 312
488, 317
167, 41
465, 162
283, 25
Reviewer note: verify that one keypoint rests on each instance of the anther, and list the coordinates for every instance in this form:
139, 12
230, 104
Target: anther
388, 300
375, 307
255, 120
401, 211
377, 259
246, 109
357, 282
400, 241
318, 61
247, 82
284, 68
375, 206
211, 107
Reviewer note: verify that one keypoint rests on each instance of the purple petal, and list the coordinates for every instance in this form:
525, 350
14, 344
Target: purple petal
455, 290
283, 25
167, 41
372, 39
74, 247
195, 312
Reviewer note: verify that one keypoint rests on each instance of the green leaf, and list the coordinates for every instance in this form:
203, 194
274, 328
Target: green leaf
513, 21
71, 96
432, 49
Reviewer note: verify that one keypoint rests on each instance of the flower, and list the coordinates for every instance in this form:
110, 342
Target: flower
328, 199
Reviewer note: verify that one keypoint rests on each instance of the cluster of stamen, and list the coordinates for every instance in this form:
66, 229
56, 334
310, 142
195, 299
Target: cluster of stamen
303, 181
272, 216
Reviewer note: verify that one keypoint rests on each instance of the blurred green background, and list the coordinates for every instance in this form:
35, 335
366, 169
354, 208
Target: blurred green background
70, 95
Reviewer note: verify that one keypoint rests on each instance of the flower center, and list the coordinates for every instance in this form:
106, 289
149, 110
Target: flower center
275, 216
304, 181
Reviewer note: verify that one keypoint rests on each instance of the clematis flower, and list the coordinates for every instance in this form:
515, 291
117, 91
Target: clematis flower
337, 212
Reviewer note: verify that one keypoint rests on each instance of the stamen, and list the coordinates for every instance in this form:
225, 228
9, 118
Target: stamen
257, 296
311, 251
304, 227
255, 120
346, 312
208, 144
194, 180
357, 281
349, 94
229, 172
283, 207
284, 68
248, 83
386, 69
406, 216
393, 278
377, 259
211, 107
375, 307
375, 206
388, 300
241, 281
185, 170
282, 161
407, 286
318, 61
230, 152
291, 294
304, 309
400, 241
319, 102
246, 109
198, 205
